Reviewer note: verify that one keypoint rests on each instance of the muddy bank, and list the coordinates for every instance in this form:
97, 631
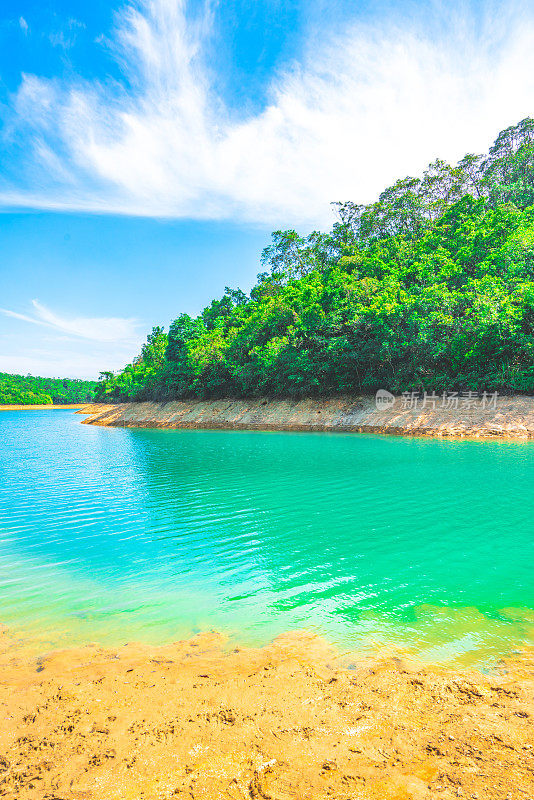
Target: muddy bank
191, 720
506, 417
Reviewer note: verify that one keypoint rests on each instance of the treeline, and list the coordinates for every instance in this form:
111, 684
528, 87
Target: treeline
430, 287
27, 390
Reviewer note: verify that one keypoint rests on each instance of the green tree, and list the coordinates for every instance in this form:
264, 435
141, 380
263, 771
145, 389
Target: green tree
431, 286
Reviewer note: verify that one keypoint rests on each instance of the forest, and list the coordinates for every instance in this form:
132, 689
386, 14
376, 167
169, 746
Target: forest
27, 390
431, 287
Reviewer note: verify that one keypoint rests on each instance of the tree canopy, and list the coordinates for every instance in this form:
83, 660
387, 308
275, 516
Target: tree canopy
27, 390
430, 287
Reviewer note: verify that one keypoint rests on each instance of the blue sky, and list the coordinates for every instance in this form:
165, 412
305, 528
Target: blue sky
148, 148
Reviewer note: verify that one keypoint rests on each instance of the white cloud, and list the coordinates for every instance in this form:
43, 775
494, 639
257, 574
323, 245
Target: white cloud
96, 329
23, 24
58, 363
359, 110
78, 347
65, 38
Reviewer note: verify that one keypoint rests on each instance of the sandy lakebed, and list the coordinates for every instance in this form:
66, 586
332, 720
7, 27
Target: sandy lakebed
294, 719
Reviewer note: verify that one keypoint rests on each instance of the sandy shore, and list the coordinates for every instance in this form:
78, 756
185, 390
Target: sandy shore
43, 408
291, 720
505, 418
94, 408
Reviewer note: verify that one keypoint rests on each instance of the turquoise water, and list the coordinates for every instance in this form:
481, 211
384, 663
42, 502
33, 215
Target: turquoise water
110, 534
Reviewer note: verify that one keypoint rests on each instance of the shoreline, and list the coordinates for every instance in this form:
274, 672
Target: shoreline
511, 418
293, 719
50, 406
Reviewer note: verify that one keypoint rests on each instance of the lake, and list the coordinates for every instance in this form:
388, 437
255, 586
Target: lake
113, 535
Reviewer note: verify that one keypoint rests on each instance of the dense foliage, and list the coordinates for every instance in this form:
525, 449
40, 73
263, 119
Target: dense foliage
26, 390
430, 287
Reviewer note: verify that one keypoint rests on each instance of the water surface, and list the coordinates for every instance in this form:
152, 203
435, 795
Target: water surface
111, 535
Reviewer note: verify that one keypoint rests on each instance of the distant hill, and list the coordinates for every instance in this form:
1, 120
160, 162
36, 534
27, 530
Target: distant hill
27, 390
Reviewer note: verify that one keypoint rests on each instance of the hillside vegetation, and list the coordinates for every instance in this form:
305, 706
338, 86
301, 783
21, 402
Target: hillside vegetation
26, 390
430, 287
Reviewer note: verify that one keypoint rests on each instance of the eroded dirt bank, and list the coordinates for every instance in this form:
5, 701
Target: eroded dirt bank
190, 720
507, 417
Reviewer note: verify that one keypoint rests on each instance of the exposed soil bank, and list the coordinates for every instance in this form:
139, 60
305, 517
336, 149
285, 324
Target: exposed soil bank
93, 408
511, 417
190, 720
43, 407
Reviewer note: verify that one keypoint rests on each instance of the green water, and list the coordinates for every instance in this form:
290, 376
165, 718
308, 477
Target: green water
115, 535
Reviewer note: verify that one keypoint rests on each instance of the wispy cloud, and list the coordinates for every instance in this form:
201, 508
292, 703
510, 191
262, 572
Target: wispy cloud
23, 24
59, 362
66, 36
96, 329
358, 110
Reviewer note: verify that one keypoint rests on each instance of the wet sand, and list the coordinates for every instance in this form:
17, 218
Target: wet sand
294, 719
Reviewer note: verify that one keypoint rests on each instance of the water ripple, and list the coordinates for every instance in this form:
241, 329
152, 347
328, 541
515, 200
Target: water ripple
120, 534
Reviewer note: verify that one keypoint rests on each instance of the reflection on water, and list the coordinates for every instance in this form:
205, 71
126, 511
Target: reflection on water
114, 534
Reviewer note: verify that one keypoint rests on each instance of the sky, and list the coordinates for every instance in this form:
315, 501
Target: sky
149, 147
